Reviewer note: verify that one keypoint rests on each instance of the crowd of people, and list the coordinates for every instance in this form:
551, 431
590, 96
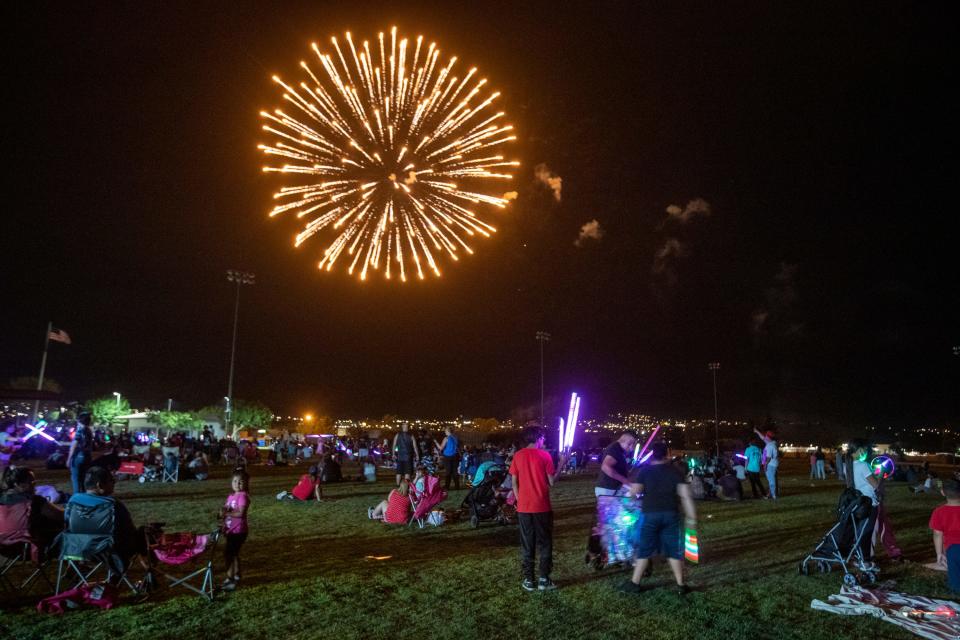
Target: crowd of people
665, 489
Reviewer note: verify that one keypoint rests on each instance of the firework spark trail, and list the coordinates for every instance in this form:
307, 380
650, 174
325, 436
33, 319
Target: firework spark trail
398, 150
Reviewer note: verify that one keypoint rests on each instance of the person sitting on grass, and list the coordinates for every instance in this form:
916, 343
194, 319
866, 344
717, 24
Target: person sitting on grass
369, 470
396, 508
729, 487
199, 466
309, 487
927, 485
945, 523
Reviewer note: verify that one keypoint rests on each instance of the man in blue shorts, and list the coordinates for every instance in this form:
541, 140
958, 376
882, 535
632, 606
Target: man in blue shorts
662, 486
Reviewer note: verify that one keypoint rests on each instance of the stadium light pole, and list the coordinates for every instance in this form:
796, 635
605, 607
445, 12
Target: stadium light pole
542, 336
240, 278
714, 367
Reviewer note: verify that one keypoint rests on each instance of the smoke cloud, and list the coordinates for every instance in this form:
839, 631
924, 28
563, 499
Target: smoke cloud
547, 177
775, 316
664, 261
695, 208
589, 231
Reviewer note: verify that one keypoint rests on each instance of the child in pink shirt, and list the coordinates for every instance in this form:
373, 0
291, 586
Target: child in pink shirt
234, 515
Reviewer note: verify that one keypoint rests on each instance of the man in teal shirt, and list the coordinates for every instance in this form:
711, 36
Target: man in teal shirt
752, 454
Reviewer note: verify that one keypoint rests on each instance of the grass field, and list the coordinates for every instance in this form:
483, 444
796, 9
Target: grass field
307, 573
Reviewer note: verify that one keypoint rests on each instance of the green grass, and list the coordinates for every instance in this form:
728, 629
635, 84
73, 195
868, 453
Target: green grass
307, 575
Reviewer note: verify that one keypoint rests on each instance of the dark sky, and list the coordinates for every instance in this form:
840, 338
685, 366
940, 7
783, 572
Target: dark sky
825, 279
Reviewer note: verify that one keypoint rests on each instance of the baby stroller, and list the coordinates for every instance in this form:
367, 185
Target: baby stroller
485, 501
841, 544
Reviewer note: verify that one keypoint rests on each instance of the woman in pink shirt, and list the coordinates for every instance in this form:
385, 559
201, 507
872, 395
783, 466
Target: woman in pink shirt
234, 514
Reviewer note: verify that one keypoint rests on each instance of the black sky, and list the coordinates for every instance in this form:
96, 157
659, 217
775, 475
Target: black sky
822, 137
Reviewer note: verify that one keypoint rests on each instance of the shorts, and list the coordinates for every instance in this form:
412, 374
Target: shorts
234, 542
660, 531
404, 467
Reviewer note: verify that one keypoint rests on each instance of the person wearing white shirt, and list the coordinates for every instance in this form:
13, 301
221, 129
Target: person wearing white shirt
771, 457
866, 483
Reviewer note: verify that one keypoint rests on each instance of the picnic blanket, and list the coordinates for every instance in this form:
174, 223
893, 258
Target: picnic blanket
925, 617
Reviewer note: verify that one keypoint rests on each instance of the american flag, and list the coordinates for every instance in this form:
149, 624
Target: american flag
59, 335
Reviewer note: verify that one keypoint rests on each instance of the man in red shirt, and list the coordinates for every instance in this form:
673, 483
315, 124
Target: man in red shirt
945, 522
533, 474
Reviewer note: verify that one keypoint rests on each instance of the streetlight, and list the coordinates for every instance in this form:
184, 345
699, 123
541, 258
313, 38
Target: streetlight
116, 394
542, 336
240, 278
714, 367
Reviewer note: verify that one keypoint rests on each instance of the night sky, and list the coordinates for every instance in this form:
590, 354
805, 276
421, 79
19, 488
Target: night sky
824, 278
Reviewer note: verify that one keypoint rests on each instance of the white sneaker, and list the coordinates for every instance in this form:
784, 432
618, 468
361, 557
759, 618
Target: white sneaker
370, 513
281, 495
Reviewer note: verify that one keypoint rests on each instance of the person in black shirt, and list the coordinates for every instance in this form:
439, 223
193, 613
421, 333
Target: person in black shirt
406, 453
611, 481
81, 451
661, 486
613, 465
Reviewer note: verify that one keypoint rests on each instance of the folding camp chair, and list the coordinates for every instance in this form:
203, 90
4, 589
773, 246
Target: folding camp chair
423, 502
88, 544
171, 464
179, 549
18, 549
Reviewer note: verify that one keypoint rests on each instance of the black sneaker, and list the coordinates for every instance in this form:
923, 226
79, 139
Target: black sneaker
630, 587
682, 590
528, 585
546, 584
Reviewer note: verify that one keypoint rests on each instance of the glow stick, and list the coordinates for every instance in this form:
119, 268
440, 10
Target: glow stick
636, 452
740, 455
573, 402
691, 546
649, 440
560, 440
36, 431
646, 457
572, 427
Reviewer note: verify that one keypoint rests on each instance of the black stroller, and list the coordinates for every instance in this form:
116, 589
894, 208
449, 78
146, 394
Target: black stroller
486, 500
841, 544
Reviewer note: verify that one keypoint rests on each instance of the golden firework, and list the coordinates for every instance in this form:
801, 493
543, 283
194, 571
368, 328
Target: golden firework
396, 151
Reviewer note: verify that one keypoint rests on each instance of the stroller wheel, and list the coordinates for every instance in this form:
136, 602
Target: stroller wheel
850, 580
803, 569
474, 522
870, 577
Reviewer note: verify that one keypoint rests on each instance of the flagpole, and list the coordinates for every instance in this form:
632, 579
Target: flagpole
43, 368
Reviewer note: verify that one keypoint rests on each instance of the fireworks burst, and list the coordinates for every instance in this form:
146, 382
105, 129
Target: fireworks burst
398, 151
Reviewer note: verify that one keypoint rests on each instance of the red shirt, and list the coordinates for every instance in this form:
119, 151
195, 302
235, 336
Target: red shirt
532, 466
946, 518
398, 508
304, 488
